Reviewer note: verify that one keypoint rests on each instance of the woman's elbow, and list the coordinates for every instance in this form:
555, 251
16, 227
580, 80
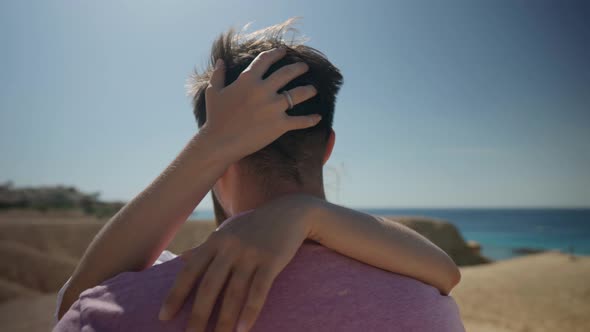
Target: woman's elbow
453, 278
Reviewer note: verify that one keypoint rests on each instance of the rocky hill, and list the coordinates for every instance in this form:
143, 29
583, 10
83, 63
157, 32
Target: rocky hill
55, 198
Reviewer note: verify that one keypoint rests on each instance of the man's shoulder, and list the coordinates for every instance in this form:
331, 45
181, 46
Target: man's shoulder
317, 266
130, 301
339, 293
127, 302
128, 282
311, 260
318, 288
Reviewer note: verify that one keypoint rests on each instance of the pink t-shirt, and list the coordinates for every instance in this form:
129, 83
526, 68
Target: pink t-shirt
319, 290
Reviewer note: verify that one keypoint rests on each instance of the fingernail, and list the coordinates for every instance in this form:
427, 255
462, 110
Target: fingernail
241, 327
218, 63
163, 315
316, 118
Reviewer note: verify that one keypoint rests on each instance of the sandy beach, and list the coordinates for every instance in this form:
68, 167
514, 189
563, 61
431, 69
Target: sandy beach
541, 292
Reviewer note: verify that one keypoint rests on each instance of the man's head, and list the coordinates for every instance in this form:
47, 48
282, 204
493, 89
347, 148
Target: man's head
294, 161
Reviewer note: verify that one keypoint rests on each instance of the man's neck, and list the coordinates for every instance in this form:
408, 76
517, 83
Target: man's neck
250, 200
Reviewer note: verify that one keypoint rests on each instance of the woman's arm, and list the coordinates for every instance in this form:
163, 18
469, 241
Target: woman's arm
241, 119
257, 246
382, 243
134, 237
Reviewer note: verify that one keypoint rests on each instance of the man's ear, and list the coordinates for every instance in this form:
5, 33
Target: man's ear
329, 146
223, 185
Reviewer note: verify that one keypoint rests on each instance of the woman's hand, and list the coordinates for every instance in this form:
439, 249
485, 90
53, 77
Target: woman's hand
250, 251
249, 113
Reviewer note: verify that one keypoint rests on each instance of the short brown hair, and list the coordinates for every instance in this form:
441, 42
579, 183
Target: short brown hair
297, 150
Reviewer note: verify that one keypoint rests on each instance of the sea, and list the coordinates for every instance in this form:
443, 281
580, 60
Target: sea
505, 233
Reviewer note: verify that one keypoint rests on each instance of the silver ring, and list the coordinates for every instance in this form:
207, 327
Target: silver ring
289, 99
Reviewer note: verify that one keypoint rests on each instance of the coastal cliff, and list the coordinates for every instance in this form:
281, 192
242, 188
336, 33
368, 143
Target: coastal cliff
447, 237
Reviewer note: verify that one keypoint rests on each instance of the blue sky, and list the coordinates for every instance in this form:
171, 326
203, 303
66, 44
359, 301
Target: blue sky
445, 104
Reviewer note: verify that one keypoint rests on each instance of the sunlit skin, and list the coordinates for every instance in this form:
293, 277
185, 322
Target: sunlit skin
242, 118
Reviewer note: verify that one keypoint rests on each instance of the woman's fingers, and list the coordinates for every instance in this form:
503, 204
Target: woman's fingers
298, 95
286, 74
259, 289
235, 294
217, 80
260, 65
302, 121
184, 284
207, 293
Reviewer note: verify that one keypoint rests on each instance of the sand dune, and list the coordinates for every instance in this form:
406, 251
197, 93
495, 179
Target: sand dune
542, 292
28, 314
11, 290
32, 268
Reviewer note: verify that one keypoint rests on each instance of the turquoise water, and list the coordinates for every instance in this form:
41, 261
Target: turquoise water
501, 231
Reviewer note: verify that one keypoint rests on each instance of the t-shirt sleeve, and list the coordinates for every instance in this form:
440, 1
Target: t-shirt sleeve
70, 322
165, 256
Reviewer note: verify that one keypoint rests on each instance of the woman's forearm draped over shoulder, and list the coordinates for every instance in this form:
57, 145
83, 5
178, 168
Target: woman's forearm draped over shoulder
382, 243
